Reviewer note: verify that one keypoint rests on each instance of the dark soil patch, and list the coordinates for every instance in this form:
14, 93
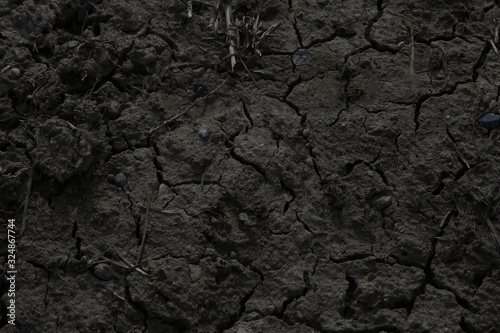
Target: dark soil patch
339, 182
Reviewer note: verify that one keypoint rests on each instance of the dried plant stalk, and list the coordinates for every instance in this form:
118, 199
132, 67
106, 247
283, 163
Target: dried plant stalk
231, 36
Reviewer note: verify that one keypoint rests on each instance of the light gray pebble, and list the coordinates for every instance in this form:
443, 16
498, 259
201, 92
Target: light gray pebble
69, 45
103, 272
195, 273
306, 132
287, 197
203, 131
15, 71
209, 252
302, 57
120, 179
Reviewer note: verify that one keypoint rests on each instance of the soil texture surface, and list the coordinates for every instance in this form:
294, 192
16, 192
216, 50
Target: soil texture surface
251, 166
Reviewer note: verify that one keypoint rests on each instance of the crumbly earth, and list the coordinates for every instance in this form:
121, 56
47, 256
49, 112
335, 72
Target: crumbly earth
353, 191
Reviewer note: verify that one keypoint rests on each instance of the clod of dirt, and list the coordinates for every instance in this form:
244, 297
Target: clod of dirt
489, 121
302, 57
62, 151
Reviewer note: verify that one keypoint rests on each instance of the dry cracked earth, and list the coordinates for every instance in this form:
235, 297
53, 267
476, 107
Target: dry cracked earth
338, 182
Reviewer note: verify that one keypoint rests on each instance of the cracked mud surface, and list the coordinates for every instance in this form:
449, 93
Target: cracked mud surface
351, 194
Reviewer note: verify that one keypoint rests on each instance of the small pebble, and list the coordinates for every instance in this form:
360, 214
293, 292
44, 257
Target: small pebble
381, 201
306, 132
287, 197
120, 179
111, 178
302, 57
198, 72
314, 152
489, 121
195, 272
203, 131
103, 272
245, 220
30, 144
201, 91
15, 71
243, 217
69, 45
323, 2
209, 252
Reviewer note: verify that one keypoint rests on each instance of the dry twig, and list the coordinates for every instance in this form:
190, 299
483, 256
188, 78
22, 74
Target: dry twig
26, 201
174, 118
144, 233
231, 35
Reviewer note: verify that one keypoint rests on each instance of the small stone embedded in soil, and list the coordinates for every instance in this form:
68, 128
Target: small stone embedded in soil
110, 178
306, 132
103, 272
201, 91
195, 273
245, 220
381, 201
203, 131
489, 121
30, 144
287, 197
323, 2
198, 72
302, 57
209, 252
15, 71
120, 179
69, 45
229, 194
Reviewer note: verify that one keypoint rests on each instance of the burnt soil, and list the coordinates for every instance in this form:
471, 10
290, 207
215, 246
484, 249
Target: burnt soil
350, 191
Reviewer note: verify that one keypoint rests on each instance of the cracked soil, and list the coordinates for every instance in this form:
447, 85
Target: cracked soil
354, 193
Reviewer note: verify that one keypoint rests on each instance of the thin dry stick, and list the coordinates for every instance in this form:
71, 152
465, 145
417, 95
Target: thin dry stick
144, 232
190, 9
132, 266
412, 51
494, 233
174, 118
26, 200
444, 220
231, 36
248, 70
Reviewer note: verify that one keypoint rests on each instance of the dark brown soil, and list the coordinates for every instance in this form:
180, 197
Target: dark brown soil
348, 188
